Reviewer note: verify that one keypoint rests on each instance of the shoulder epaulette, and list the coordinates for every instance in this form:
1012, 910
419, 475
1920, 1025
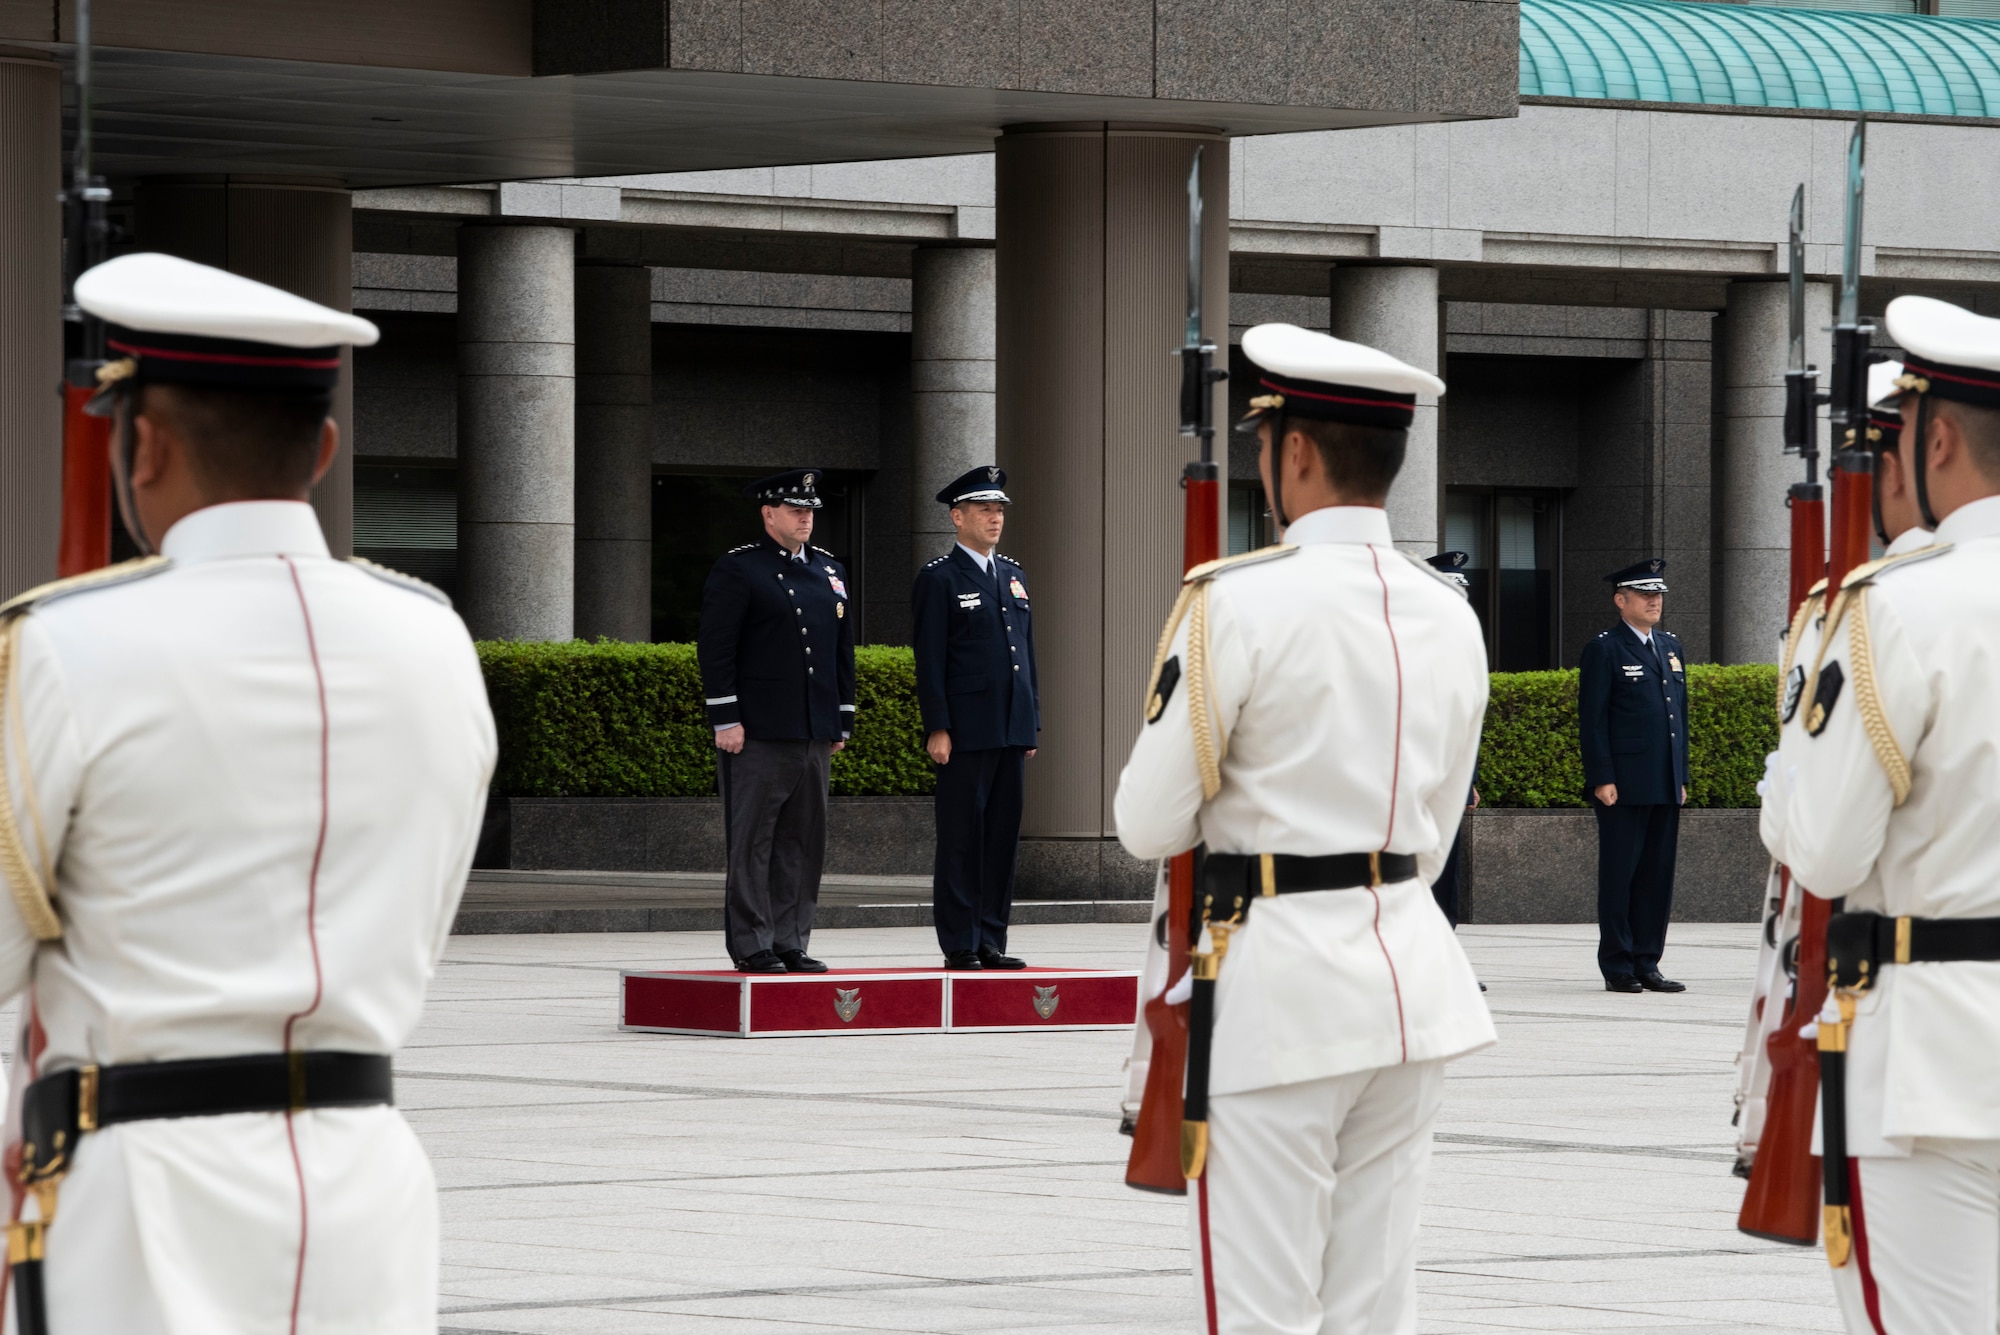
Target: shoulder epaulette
744, 548
938, 562
1817, 591
400, 580
1011, 561
1208, 570
122, 573
824, 552
1868, 570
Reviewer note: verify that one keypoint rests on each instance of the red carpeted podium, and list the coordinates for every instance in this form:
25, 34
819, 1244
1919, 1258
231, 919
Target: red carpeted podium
724, 1003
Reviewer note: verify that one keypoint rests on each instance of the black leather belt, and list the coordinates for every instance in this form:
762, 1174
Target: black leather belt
60, 1107
1859, 944
1252, 875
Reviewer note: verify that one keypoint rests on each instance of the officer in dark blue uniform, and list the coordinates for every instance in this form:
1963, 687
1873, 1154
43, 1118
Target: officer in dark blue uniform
1632, 716
777, 667
975, 643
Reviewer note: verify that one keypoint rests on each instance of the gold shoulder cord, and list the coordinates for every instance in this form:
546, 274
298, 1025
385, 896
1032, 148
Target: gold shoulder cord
30, 889
1874, 721
1207, 758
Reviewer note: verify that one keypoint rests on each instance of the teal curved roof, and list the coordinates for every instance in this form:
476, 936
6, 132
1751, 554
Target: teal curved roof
1759, 56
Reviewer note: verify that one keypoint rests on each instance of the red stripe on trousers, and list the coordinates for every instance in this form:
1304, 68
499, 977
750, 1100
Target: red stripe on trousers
1870, 1296
1207, 1254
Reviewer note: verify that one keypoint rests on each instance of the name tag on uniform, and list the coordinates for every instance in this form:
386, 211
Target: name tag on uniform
1018, 591
967, 601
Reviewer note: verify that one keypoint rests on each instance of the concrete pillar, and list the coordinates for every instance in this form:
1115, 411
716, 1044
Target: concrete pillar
614, 452
517, 431
1756, 527
1396, 310
31, 339
1091, 295
951, 383
293, 233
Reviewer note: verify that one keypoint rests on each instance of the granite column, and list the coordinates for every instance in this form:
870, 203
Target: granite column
1396, 310
951, 383
517, 431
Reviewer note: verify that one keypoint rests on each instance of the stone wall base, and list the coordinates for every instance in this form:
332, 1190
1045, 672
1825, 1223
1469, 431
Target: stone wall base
1522, 866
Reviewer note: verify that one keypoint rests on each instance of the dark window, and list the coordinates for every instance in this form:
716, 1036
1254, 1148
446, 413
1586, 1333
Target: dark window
1249, 519
406, 518
699, 516
1515, 541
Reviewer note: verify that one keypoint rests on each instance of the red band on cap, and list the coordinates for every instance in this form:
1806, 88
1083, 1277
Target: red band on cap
228, 359
1398, 401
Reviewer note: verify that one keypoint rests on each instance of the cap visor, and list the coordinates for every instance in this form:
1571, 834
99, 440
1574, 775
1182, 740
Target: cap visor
999, 496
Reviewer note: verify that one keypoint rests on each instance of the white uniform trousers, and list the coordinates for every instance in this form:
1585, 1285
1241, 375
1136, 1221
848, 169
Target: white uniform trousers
1926, 1255
1306, 1220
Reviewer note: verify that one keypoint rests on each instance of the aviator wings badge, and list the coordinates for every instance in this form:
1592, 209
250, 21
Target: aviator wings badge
846, 1003
1046, 1001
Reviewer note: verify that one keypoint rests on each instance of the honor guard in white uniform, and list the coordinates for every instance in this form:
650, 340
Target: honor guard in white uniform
1312, 723
243, 781
1898, 527
1885, 790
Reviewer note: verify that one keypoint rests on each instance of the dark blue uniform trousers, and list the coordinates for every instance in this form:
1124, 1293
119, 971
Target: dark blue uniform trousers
1445, 890
1635, 885
774, 823
978, 835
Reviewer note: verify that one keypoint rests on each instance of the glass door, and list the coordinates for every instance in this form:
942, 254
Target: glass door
1514, 539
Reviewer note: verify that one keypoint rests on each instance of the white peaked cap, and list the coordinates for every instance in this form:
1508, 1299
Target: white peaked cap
1938, 332
160, 294
1302, 354
1883, 390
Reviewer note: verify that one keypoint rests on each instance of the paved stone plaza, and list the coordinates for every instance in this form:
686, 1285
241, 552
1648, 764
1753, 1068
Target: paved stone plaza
595, 1181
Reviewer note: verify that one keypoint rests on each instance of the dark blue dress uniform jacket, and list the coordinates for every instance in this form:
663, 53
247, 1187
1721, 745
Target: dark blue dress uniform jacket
975, 645
1632, 714
777, 644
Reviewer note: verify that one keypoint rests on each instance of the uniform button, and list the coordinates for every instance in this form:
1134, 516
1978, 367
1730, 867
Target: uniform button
809, 671
798, 611
808, 653
1017, 667
802, 629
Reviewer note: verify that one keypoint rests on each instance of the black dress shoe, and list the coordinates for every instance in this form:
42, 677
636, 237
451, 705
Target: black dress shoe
797, 961
962, 959
1627, 983
764, 961
1657, 982
993, 959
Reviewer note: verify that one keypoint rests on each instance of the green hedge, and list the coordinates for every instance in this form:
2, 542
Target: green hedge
626, 720
1530, 756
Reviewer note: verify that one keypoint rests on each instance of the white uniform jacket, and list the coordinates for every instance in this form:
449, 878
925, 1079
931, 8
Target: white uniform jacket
1894, 804
1348, 684
257, 775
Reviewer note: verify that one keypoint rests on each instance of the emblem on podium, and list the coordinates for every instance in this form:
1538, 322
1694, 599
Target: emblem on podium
846, 1003
1046, 1001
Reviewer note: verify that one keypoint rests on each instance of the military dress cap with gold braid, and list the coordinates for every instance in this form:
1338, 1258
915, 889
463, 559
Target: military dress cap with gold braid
1885, 417
170, 321
1641, 576
1452, 566
1948, 352
988, 482
794, 486
1306, 374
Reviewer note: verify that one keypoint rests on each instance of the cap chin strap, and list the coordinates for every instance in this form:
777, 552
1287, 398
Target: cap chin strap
1918, 470
1278, 468
128, 504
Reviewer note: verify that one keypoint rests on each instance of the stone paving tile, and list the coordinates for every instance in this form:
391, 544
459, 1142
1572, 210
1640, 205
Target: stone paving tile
600, 1183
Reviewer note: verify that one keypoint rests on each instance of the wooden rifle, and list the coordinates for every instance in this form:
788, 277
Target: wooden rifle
1783, 1202
1155, 1162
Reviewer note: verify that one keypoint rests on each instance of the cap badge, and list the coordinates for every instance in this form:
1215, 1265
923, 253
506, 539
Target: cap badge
808, 479
1655, 564
1268, 401
992, 474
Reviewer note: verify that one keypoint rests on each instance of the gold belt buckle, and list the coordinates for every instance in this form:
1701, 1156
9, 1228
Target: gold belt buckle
1374, 869
1267, 867
1902, 940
